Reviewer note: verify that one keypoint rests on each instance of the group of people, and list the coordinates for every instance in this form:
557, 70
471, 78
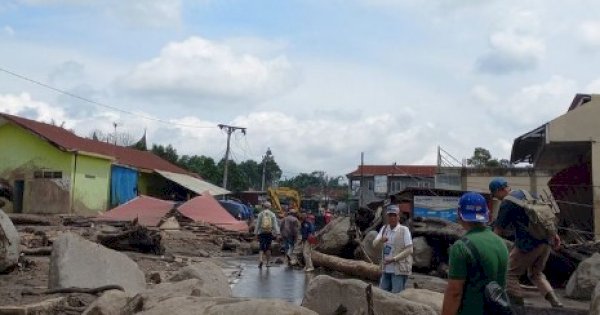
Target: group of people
480, 257
294, 224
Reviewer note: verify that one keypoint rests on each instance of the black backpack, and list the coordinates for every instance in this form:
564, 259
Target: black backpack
495, 299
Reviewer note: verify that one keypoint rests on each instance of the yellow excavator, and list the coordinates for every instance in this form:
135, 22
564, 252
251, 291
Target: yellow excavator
291, 194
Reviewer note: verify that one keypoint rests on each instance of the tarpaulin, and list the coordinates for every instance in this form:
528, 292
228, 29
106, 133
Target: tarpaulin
206, 208
194, 184
123, 185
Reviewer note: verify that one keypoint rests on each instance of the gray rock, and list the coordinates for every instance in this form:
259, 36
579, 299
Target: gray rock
213, 282
76, 262
595, 305
367, 244
9, 243
47, 307
334, 236
422, 253
164, 291
222, 306
584, 279
326, 294
110, 303
423, 296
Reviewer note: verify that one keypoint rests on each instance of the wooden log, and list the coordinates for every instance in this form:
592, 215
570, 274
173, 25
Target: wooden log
32, 219
39, 251
135, 238
355, 268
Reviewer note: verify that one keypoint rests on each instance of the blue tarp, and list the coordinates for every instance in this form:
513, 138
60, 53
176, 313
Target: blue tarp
123, 185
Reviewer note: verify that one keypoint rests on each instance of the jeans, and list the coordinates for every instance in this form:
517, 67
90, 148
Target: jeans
288, 245
392, 283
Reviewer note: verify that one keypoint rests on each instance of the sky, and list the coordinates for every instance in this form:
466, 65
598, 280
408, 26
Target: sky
316, 81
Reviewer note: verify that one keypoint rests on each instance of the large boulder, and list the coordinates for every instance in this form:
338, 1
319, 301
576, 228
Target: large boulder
220, 306
584, 279
164, 291
367, 244
422, 253
595, 305
325, 295
9, 243
110, 303
334, 237
213, 281
423, 296
76, 262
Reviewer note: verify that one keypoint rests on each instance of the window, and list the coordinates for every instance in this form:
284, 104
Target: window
371, 185
47, 174
397, 186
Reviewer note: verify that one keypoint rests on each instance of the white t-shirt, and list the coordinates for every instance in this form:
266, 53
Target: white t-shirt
388, 247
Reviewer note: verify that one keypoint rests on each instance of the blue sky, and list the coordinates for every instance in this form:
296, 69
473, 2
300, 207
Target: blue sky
317, 81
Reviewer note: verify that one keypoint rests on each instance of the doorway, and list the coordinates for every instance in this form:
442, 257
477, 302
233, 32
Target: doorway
18, 191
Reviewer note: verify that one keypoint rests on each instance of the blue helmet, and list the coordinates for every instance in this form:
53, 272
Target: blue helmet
472, 207
497, 184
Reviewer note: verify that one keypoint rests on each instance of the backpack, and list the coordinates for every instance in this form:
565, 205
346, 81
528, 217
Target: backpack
541, 214
266, 223
495, 298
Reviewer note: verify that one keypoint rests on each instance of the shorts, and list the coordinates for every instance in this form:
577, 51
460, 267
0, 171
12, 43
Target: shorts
264, 241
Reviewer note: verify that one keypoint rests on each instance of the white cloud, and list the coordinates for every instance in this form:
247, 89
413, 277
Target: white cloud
156, 13
593, 87
590, 33
511, 52
209, 71
24, 105
9, 31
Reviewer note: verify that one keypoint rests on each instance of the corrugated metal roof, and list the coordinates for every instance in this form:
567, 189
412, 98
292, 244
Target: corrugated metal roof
194, 184
407, 170
149, 211
68, 141
206, 208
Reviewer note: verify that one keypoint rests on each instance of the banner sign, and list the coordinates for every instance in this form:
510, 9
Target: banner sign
380, 184
442, 207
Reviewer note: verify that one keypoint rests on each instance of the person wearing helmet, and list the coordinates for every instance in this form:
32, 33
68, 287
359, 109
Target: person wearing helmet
463, 294
397, 260
529, 255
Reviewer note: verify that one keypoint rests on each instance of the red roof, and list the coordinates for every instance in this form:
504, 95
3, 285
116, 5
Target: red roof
69, 141
396, 170
205, 208
149, 211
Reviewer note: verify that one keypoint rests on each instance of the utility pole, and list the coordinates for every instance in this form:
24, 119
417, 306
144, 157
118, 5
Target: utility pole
362, 166
266, 158
229, 130
115, 139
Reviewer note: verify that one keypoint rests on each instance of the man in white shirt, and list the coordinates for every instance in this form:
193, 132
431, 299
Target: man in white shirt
396, 264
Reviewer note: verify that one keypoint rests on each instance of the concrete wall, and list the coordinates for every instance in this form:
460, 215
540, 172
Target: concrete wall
91, 185
580, 124
22, 155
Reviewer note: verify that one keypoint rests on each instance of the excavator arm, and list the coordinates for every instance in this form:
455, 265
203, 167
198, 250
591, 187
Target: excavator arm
276, 193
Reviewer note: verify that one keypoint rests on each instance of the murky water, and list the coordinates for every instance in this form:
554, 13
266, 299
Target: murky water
279, 281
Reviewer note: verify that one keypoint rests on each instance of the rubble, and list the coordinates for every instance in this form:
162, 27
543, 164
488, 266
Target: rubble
76, 262
9, 243
325, 295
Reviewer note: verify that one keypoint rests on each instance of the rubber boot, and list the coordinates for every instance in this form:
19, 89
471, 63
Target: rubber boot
260, 260
553, 299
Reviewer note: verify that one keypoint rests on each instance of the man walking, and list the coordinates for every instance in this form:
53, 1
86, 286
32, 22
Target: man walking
307, 229
468, 275
265, 229
530, 254
396, 264
290, 226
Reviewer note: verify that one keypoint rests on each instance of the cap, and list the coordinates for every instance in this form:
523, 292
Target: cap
392, 209
266, 204
472, 207
497, 184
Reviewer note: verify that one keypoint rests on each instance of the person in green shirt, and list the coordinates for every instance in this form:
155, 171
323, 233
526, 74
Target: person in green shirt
464, 294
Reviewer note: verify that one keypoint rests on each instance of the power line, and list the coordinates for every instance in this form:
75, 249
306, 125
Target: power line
85, 99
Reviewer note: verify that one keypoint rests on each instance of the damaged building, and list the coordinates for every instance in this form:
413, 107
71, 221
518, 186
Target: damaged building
53, 171
569, 143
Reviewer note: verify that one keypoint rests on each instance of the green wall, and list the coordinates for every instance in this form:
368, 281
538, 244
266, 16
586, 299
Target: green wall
92, 182
21, 155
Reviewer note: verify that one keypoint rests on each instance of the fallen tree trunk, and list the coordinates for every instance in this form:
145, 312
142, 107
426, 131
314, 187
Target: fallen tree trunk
356, 268
32, 219
135, 238
39, 251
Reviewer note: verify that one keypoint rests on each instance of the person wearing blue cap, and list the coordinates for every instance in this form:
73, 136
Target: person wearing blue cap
396, 263
530, 254
480, 249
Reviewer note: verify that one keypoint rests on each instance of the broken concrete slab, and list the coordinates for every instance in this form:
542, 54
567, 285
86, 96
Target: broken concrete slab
583, 281
9, 243
76, 262
213, 281
325, 295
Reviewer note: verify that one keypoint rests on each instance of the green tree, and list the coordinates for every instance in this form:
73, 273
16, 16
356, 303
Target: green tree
202, 165
483, 158
166, 152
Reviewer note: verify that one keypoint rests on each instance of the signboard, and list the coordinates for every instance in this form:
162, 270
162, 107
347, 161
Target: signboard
380, 184
442, 207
